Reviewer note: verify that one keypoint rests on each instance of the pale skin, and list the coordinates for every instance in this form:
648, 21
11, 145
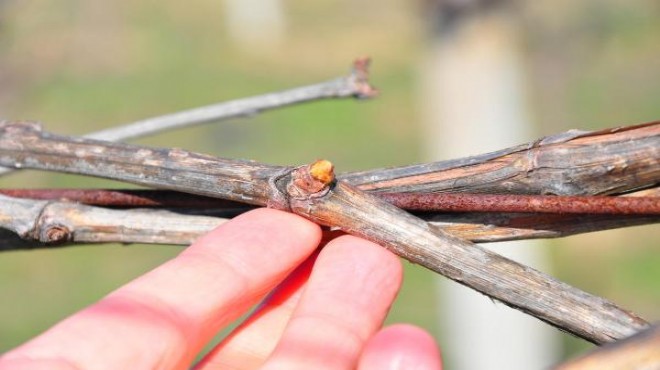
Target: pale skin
320, 308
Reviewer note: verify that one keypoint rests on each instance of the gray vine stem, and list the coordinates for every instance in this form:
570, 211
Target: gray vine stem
39, 223
312, 192
610, 161
355, 85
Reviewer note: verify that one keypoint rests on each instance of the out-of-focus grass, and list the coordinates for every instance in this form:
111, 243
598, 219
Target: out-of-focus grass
40, 288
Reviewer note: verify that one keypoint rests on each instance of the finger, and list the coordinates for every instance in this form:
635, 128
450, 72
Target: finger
163, 318
248, 346
401, 347
349, 292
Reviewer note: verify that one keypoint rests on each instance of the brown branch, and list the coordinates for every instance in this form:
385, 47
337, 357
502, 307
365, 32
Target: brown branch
640, 351
439, 202
128, 198
306, 192
426, 202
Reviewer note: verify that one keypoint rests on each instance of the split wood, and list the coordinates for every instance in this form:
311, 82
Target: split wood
590, 166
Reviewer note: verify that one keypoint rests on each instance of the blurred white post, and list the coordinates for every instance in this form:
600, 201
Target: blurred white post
473, 99
256, 25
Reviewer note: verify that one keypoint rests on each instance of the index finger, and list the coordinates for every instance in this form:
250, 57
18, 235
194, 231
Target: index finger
166, 316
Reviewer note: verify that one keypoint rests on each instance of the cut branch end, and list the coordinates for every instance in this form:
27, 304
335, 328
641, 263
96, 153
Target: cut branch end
360, 76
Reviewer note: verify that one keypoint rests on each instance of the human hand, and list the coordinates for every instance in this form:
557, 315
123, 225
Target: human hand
324, 311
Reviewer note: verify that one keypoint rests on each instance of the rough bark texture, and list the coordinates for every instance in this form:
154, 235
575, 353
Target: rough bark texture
310, 192
24, 145
610, 161
48, 223
518, 286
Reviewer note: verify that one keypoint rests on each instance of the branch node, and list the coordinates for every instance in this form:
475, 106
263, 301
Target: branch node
55, 234
311, 180
278, 197
300, 184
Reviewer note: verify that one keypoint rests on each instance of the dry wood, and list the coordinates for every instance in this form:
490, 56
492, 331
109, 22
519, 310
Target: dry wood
42, 223
24, 145
342, 206
640, 351
612, 161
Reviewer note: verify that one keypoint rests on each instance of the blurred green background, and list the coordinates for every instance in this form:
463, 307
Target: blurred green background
79, 66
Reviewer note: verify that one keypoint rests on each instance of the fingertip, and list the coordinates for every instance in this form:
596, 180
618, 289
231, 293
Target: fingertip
401, 346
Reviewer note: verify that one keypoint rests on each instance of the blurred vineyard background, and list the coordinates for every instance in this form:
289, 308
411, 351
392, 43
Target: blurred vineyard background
79, 66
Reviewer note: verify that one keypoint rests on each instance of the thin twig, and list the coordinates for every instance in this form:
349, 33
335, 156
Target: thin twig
339, 205
426, 202
128, 198
355, 85
441, 202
